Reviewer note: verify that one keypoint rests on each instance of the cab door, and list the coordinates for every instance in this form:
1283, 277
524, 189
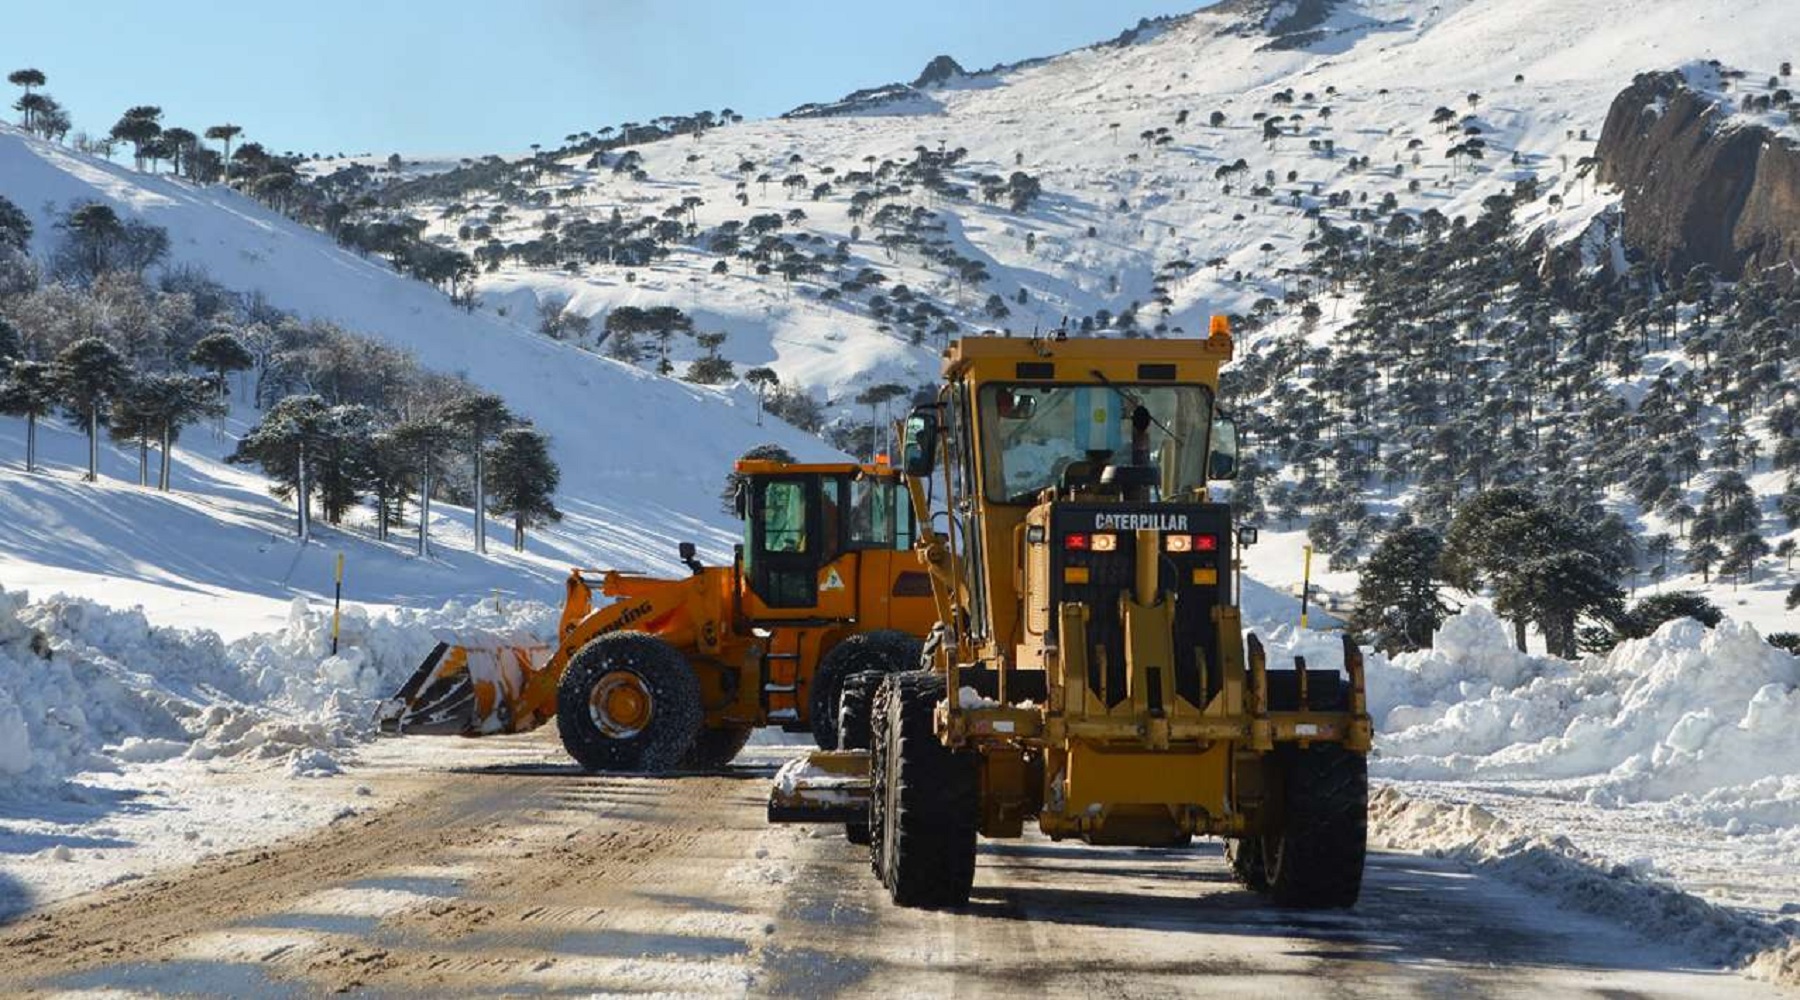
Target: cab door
894, 589
784, 555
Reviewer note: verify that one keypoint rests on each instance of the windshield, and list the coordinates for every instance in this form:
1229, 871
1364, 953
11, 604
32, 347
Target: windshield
1032, 432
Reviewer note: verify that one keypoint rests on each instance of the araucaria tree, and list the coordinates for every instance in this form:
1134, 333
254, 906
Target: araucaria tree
480, 417
306, 446
1397, 599
524, 480
29, 79
141, 126
1543, 566
88, 375
421, 442
28, 389
221, 353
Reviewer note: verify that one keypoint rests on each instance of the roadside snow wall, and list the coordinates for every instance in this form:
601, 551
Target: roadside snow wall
87, 687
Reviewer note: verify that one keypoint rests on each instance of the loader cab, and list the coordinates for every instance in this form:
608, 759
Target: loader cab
829, 542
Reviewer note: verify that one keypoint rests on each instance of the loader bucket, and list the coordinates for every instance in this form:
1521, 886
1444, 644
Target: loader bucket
826, 786
470, 685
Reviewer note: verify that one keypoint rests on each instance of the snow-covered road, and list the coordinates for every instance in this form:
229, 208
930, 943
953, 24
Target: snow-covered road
519, 875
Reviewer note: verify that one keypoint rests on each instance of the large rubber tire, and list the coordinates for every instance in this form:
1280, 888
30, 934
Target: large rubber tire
883, 650
1244, 855
931, 799
878, 779
1314, 859
854, 708
715, 748
675, 714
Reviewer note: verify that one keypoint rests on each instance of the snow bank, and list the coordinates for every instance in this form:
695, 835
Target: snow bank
1554, 866
85, 687
1705, 719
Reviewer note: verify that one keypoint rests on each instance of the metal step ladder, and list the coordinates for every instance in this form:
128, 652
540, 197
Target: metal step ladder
781, 676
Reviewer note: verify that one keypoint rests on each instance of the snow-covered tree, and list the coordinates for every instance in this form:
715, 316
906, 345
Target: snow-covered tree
89, 374
1397, 599
525, 480
479, 417
28, 389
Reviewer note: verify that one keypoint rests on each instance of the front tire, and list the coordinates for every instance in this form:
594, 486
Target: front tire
930, 799
629, 701
716, 748
853, 729
1245, 856
884, 650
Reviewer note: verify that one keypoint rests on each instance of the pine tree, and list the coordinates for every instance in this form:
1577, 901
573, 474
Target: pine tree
525, 480
174, 402
735, 481
762, 380
12, 346
279, 446
132, 420
480, 417
29, 79
422, 442
1397, 598
15, 227
28, 389
89, 374
221, 353
1474, 546
224, 134
1649, 614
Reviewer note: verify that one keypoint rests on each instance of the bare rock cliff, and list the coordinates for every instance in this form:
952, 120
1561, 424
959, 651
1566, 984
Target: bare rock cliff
1698, 187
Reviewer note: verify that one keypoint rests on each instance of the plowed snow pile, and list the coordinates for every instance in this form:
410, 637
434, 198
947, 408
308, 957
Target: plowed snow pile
85, 687
1692, 728
1704, 720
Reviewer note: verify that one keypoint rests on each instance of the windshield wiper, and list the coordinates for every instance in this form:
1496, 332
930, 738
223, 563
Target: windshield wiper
1137, 402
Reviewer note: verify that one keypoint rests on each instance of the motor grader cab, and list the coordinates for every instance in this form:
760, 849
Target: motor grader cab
1089, 673
651, 674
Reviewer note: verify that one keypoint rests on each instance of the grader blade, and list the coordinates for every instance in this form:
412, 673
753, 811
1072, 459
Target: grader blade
472, 686
826, 786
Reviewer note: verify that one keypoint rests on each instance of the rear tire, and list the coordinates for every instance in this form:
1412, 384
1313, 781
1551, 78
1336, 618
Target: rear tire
884, 650
1315, 859
655, 671
930, 800
854, 708
716, 748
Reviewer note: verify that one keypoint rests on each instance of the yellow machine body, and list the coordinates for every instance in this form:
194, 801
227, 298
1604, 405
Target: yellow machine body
1094, 656
827, 554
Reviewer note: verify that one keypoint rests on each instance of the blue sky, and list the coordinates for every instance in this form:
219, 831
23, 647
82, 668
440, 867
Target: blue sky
456, 76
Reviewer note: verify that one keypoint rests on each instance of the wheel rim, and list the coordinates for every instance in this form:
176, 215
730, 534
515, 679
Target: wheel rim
620, 704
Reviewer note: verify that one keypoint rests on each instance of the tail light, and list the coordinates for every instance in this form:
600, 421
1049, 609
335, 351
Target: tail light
1190, 543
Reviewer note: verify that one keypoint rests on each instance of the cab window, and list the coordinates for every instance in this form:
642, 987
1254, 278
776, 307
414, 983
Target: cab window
784, 517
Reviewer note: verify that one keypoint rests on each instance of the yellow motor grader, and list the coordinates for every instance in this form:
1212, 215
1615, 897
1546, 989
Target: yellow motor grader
676, 673
1088, 671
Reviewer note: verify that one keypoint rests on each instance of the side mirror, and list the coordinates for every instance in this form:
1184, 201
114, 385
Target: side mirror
1246, 537
740, 500
687, 552
919, 455
1223, 462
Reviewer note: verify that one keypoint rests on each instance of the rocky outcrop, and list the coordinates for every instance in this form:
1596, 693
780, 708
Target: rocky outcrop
1698, 186
940, 70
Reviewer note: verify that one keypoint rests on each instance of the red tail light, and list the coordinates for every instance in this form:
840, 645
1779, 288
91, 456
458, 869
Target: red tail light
1206, 543
1075, 541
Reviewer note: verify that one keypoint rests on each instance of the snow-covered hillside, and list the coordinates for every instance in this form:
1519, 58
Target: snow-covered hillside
1543, 73
642, 457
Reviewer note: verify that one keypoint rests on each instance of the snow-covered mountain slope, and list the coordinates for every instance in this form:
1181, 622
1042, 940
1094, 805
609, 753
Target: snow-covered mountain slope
1118, 205
642, 457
